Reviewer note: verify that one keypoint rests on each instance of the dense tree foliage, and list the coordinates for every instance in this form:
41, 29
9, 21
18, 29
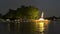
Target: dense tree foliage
29, 12
10, 14
0, 15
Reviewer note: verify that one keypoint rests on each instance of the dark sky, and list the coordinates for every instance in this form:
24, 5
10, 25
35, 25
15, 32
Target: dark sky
50, 7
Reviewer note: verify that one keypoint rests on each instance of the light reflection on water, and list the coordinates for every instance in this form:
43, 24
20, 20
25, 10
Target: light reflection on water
54, 28
40, 27
15, 27
41, 24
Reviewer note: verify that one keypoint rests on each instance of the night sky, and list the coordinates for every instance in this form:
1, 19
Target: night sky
50, 7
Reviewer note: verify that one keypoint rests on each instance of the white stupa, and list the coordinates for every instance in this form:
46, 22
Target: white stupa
42, 15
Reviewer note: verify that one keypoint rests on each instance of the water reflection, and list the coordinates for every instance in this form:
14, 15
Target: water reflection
29, 28
25, 27
40, 27
41, 24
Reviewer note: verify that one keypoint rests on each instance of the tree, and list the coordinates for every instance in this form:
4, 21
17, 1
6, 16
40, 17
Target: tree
32, 12
10, 14
29, 12
0, 15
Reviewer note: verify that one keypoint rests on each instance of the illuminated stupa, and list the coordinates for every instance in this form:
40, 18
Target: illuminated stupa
42, 16
42, 24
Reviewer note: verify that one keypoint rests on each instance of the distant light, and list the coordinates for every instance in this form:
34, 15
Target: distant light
41, 19
7, 19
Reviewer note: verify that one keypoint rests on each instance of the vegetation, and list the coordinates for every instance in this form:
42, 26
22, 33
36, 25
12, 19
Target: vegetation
0, 15
29, 12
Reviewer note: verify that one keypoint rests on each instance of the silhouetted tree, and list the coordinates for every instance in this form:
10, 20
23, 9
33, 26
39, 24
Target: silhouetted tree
10, 14
29, 12
0, 15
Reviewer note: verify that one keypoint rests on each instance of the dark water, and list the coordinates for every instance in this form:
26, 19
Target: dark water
27, 28
54, 27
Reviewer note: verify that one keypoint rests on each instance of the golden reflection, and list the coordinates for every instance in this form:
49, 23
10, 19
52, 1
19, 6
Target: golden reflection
41, 26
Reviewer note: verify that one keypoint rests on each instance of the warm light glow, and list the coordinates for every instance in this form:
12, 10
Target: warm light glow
41, 19
42, 15
41, 24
